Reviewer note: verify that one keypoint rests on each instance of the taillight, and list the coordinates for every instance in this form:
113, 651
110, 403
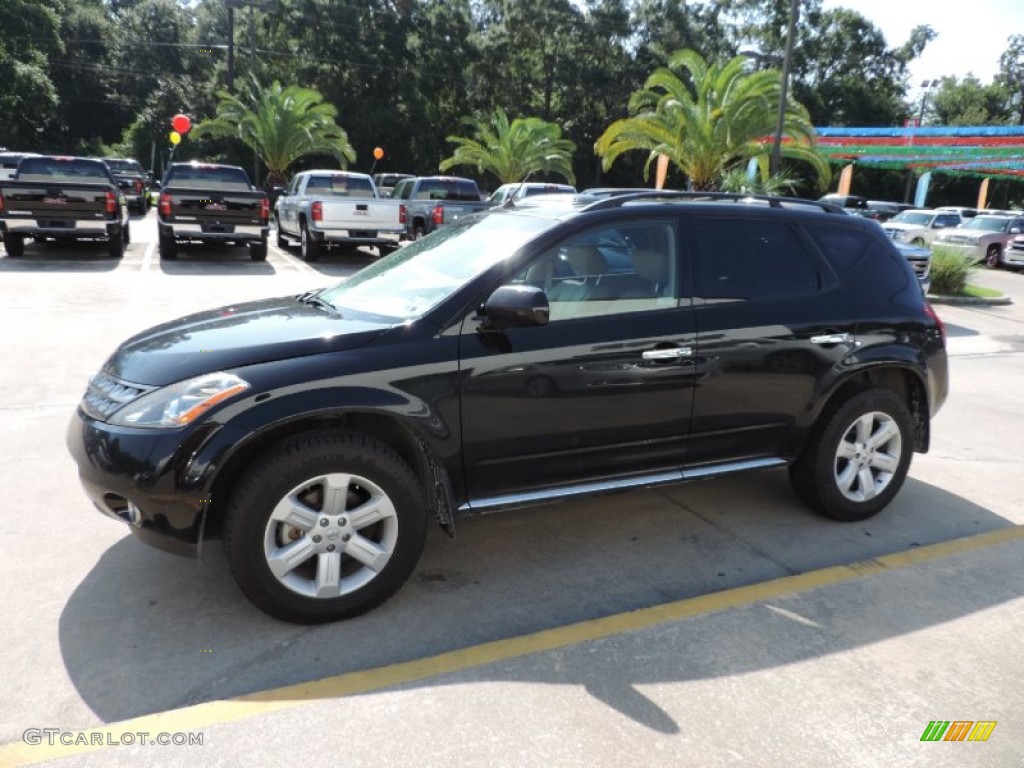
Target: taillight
930, 311
438, 215
111, 202
2, 203
165, 204
403, 213
318, 211
265, 210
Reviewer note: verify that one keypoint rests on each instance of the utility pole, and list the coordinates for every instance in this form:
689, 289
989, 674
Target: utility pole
776, 156
231, 47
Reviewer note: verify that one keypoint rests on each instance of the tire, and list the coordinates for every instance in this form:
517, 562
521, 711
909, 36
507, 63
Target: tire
993, 257
308, 247
329, 550
115, 244
258, 251
168, 248
281, 242
825, 475
15, 245
418, 231
126, 234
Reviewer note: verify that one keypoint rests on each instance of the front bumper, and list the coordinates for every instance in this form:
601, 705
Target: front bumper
1013, 257
134, 476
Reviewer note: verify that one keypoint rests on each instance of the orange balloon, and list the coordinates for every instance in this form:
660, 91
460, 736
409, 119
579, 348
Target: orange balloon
378, 153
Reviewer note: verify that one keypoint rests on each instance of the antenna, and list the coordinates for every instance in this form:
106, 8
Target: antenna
511, 201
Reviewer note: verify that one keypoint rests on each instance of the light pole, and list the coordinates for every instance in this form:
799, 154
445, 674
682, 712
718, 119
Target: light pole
776, 156
927, 86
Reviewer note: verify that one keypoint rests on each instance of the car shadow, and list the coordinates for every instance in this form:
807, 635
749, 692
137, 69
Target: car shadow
340, 262
76, 256
206, 259
146, 631
957, 331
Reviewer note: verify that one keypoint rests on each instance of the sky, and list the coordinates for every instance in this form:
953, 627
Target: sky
971, 35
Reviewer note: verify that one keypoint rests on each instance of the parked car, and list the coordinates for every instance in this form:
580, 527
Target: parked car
1013, 256
326, 208
920, 259
318, 434
853, 204
9, 163
211, 203
385, 182
983, 238
433, 201
919, 226
133, 180
520, 190
63, 198
964, 211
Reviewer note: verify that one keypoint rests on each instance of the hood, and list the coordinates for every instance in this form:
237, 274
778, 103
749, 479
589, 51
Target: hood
234, 336
901, 226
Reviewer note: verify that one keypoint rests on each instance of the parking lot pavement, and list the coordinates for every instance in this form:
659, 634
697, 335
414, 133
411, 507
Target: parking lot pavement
717, 623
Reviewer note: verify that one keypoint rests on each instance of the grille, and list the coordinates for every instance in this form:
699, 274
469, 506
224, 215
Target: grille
1018, 245
105, 395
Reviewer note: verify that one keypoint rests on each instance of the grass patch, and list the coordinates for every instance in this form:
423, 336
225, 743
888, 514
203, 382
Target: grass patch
950, 271
981, 292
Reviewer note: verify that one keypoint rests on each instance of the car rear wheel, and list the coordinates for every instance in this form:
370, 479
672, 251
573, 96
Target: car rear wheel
126, 234
115, 244
168, 248
993, 257
325, 527
15, 245
258, 251
858, 457
308, 247
418, 231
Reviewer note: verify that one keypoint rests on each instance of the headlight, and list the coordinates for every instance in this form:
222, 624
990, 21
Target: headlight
178, 405
901, 235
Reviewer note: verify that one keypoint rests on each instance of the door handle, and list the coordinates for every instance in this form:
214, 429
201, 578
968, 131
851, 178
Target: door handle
832, 338
672, 353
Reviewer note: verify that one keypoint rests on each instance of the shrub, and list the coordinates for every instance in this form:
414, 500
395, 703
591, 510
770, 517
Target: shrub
950, 271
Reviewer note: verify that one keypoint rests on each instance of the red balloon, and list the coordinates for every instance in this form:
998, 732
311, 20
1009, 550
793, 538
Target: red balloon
181, 123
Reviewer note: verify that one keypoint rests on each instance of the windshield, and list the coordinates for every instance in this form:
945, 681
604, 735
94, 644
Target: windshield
987, 224
419, 276
917, 219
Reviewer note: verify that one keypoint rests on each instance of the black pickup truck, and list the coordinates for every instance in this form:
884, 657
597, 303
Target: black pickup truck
62, 198
207, 203
132, 178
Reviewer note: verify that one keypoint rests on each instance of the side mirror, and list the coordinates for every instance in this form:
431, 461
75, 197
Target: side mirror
515, 306
1014, 230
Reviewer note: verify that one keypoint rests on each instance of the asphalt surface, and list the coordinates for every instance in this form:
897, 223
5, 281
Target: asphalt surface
712, 624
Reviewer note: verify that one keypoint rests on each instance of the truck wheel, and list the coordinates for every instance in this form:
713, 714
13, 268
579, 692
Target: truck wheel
126, 234
168, 248
857, 458
115, 244
15, 245
308, 247
418, 231
993, 257
258, 251
324, 527
281, 242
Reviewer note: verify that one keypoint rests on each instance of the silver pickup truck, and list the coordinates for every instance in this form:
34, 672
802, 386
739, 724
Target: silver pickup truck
339, 208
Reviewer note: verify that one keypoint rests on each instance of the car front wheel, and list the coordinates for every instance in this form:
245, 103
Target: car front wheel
858, 457
325, 527
992, 257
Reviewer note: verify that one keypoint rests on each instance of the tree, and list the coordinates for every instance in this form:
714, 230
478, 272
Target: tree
727, 118
1011, 72
968, 102
512, 150
282, 124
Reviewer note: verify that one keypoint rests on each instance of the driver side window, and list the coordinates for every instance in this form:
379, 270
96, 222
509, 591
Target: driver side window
627, 267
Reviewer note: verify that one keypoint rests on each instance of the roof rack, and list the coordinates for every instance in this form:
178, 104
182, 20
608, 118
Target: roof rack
773, 201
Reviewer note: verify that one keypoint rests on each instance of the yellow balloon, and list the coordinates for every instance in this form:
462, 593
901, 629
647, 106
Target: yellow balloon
175, 138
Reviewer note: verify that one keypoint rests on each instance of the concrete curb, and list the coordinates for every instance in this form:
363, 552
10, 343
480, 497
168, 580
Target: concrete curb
986, 301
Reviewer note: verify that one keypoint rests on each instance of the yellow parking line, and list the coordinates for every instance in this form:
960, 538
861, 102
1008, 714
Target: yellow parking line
212, 713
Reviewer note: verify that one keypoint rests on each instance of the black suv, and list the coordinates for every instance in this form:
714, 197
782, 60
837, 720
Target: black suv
529, 354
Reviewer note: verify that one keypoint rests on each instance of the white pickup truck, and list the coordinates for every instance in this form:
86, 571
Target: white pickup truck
336, 208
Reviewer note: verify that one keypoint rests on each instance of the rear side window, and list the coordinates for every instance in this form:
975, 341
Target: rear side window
751, 259
946, 220
844, 247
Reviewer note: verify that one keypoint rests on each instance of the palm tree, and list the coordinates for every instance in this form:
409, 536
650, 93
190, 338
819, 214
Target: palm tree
727, 118
282, 124
512, 150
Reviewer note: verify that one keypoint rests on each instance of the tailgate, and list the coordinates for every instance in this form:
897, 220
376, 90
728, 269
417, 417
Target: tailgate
55, 200
360, 214
229, 208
